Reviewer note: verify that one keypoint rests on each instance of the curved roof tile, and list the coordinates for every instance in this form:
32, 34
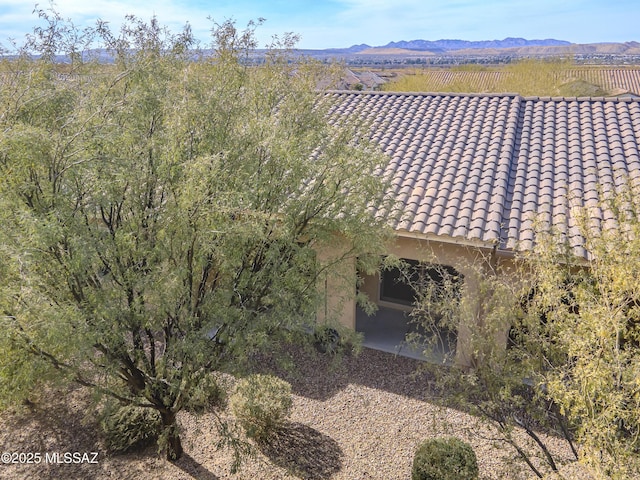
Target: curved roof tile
484, 167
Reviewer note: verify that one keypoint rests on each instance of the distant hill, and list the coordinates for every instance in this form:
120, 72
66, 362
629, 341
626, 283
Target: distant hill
627, 48
507, 46
448, 45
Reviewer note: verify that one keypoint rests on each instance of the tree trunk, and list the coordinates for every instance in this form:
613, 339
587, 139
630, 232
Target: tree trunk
174, 445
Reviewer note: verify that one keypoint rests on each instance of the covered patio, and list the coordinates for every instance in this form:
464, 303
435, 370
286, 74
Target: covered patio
387, 330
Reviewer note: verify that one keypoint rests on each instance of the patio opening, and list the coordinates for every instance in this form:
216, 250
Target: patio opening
390, 327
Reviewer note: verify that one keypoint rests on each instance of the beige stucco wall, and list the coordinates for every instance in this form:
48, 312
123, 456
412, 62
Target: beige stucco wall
337, 283
467, 260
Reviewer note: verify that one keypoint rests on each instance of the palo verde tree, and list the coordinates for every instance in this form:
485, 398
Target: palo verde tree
488, 371
161, 211
569, 365
591, 310
542, 77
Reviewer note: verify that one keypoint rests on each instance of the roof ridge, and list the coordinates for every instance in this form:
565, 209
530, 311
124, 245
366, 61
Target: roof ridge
535, 98
613, 98
424, 94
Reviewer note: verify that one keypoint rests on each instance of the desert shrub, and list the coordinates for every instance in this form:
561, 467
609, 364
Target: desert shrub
444, 459
261, 403
334, 339
128, 428
326, 339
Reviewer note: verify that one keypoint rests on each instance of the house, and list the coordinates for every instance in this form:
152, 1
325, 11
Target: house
356, 80
370, 80
474, 173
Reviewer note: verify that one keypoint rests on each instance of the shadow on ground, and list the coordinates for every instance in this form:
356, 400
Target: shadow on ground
51, 427
194, 469
331, 374
304, 452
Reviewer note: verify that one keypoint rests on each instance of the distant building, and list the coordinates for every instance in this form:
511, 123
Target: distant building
360, 81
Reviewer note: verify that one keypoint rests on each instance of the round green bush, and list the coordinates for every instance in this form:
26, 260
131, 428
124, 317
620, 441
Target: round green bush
261, 403
444, 459
128, 428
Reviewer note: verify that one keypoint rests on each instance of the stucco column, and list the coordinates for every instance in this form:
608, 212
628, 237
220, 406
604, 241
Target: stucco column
337, 283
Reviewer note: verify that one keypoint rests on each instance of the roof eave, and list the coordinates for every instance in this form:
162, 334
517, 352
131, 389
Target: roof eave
460, 241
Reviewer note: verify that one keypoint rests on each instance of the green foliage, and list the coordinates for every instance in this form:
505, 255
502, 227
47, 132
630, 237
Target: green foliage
416, 82
128, 428
581, 88
149, 202
444, 459
571, 363
536, 77
527, 77
261, 403
327, 339
209, 394
593, 319
489, 374
437, 306
335, 339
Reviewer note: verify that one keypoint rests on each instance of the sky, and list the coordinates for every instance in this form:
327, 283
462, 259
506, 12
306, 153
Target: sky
341, 23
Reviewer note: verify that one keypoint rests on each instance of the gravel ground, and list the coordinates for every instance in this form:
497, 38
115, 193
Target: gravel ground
357, 419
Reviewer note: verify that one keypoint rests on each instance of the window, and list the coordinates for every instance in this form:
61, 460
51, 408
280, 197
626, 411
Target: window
398, 288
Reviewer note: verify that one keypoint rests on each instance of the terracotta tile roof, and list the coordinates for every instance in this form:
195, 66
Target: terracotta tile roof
485, 168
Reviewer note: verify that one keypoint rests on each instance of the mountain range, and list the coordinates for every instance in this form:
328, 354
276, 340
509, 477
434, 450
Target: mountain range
449, 45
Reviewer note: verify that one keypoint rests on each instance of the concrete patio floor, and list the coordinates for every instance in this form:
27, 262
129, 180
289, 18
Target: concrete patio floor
386, 330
